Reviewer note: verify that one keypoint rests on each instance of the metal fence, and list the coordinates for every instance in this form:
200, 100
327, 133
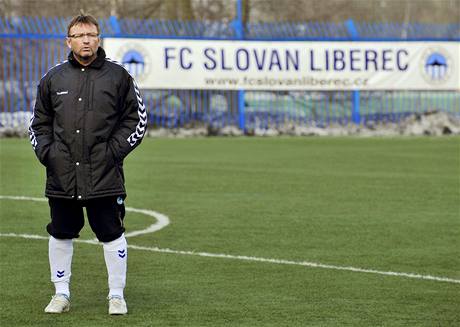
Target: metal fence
29, 46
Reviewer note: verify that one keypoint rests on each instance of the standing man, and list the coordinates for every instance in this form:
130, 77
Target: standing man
88, 117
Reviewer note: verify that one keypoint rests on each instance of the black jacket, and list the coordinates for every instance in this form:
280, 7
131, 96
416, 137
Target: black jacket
86, 120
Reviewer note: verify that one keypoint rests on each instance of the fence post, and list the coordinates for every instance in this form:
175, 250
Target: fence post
239, 31
115, 26
355, 98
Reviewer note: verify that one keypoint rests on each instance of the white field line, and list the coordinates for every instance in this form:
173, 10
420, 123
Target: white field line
162, 221
256, 259
241, 257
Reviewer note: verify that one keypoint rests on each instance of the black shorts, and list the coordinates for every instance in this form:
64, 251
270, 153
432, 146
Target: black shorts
105, 216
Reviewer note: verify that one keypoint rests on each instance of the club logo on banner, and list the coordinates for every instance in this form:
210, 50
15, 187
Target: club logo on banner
436, 66
136, 60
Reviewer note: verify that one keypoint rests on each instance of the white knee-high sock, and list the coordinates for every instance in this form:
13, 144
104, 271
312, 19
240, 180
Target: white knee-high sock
116, 256
60, 256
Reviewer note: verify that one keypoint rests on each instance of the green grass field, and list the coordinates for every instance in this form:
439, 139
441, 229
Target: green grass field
388, 204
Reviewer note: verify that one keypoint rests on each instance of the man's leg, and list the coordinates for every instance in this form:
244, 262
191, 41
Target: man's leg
60, 254
116, 255
66, 222
106, 216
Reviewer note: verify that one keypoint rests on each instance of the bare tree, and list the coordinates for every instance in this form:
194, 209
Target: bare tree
186, 11
214, 9
423, 11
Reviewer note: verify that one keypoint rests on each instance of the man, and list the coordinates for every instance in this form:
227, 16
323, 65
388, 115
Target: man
88, 116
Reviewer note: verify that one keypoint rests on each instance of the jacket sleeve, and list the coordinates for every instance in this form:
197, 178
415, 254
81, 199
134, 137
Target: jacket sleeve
132, 123
41, 123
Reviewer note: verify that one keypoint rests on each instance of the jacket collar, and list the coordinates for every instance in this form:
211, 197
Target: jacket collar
97, 63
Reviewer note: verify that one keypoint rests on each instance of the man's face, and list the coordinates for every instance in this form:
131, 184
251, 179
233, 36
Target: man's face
83, 40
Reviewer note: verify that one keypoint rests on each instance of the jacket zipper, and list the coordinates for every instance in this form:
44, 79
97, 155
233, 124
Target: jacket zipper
83, 136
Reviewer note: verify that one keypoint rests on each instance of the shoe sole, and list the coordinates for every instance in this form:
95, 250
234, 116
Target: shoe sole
58, 312
66, 309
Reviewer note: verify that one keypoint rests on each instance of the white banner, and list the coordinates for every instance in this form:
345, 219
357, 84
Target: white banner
260, 65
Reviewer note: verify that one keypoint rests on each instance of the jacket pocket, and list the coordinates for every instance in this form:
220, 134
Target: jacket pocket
104, 172
59, 172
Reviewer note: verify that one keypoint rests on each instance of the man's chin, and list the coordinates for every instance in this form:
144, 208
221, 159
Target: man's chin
85, 55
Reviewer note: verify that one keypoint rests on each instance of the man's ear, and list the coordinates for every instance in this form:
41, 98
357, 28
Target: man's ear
67, 41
